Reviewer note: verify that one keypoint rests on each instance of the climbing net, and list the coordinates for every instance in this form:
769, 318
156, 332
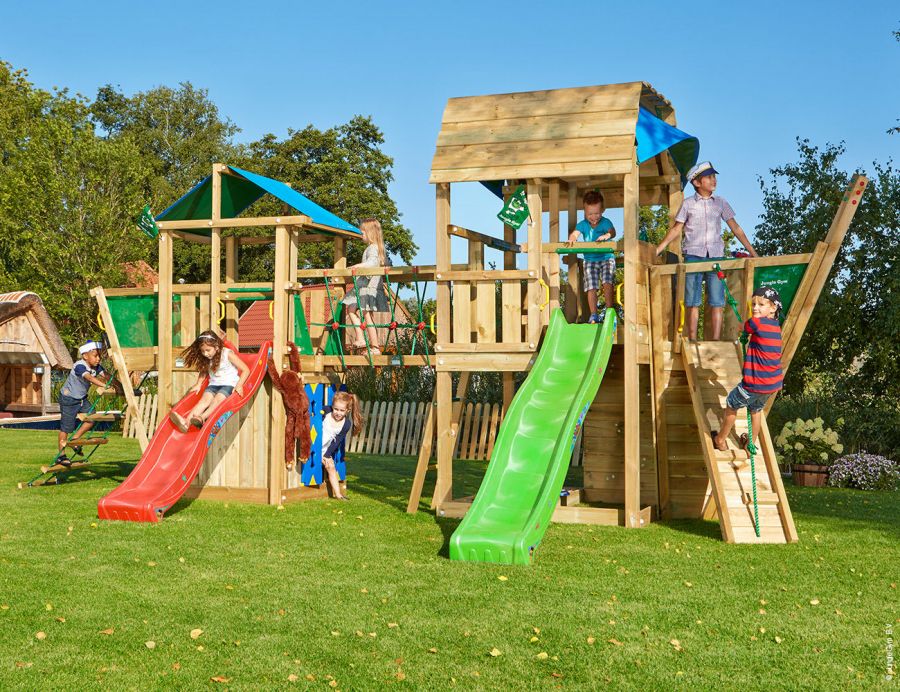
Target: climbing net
751, 446
393, 326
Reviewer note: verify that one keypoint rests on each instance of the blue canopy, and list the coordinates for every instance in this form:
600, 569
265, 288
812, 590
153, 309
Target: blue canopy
655, 136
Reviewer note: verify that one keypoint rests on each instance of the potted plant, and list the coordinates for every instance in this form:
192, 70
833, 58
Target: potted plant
808, 447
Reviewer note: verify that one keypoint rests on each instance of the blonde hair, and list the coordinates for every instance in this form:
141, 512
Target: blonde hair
372, 233
352, 404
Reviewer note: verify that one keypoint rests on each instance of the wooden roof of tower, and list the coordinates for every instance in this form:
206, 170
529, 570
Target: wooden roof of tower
560, 133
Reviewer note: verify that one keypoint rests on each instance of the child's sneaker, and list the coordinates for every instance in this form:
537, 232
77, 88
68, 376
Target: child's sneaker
596, 318
77, 452
64, 461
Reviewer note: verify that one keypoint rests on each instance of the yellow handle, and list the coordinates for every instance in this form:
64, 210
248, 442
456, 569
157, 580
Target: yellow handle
546, 294
431, 324
681, 321
272, 310
221, 311
100, 322
619, 288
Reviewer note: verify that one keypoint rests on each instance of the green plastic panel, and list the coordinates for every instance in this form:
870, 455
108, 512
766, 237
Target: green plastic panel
521, 487
784, 278
136, 320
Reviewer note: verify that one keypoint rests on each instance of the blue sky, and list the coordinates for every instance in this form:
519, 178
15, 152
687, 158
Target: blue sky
746, 79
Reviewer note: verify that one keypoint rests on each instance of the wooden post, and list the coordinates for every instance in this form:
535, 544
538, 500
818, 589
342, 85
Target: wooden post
121, 367
632, 371
535, 237
659, 382
279, 331
215, 271
164, 306
573, 275
231, 276
553, 260
443, 490
510, 292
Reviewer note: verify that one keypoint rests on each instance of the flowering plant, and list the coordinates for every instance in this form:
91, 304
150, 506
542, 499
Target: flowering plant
866, 472
807, 442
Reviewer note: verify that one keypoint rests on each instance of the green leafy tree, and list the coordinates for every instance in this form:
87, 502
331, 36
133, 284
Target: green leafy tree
180, 134
342, 169
849, 349
67, 200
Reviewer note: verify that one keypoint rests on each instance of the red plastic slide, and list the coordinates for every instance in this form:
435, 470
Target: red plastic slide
173, 458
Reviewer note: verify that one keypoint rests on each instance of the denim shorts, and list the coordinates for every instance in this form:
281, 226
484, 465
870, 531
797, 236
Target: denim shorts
220, 389
69, 409
693, 294
740, 398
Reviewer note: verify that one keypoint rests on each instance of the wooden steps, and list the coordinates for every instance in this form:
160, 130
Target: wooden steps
101, 416
713, 369
87, 441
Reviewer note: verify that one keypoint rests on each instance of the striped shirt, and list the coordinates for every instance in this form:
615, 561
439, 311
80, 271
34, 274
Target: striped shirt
702, 218
762, 364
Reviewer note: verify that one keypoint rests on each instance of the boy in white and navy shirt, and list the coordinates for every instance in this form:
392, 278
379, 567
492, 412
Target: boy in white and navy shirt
701, 217
73, 397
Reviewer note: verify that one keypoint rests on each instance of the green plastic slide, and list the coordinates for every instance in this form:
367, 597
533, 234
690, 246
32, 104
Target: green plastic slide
531, 456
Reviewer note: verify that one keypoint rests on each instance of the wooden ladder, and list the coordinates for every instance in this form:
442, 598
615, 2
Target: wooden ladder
713, 369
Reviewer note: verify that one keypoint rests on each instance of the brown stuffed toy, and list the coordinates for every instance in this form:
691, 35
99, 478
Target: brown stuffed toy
296, 404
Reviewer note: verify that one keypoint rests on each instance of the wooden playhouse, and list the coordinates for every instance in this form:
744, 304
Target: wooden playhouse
647, 452
30, 348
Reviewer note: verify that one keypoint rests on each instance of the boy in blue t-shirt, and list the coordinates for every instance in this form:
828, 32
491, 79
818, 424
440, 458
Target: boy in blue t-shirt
73, 397
599, 265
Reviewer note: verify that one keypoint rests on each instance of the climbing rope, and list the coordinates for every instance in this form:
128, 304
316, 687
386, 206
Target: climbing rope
751, 446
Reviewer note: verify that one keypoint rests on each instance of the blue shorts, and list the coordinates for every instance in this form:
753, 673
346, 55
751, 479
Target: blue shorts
69, 409
220, 389
693, 284
740, 398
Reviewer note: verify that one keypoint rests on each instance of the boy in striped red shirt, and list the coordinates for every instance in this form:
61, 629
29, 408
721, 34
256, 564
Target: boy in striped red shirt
762, 364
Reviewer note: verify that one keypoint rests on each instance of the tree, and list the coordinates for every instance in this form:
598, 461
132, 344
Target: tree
66, 202
180, 134
851, 342
342, 169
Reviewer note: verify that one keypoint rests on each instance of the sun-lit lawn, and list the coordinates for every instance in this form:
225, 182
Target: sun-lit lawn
360, 595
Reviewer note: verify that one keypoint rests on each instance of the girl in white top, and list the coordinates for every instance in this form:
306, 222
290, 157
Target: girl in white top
372, 297
227, 374
342, 419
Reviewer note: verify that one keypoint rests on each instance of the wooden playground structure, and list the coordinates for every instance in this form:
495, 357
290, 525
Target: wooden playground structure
646, 445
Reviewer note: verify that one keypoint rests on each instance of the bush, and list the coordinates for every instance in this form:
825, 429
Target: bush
865, 472
807, 442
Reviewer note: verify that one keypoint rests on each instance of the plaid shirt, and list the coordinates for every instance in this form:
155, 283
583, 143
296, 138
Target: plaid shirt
702, 218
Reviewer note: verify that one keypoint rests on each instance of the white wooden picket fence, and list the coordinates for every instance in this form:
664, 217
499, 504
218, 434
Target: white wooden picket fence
148, 414
393, 428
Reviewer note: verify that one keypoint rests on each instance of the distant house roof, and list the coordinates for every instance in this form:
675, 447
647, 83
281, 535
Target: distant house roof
255, 327
28, 335
242, 188
560, 133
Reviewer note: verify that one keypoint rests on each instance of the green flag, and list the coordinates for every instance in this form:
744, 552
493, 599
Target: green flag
515, 211
146, 222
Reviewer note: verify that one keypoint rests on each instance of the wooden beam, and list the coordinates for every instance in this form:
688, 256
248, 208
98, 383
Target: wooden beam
552, 263
631, 369
276, 475
231, 268
209, 224
215, 274
164, 337
487, 240
731, 264
535, 238
443, 490
124, 376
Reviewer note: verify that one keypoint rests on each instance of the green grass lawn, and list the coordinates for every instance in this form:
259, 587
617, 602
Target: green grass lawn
360, 595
